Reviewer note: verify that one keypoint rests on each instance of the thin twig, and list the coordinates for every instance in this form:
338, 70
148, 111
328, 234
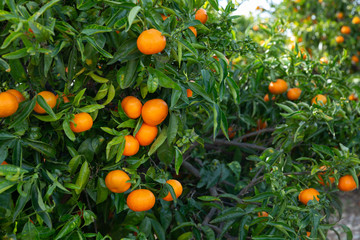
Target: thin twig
252, 183
265, 130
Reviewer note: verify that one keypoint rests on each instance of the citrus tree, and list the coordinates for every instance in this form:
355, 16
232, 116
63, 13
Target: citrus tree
165, 120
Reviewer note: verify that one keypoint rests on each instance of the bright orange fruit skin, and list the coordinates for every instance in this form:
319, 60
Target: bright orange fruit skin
154, 112
353, 97
278, 87
262, 214
308, 194
116, 181
324, 60
294, 94
8, 104
347, 183
178, 189
356, 20
131, 106
19, 97
146, 134
193, 30
321, 181
339, 39
151, 42
4, 163
50, 99
267, 99
319, 99
189, 93
231, 132
201, 15
345, 30
140, 200
83, 122
131, 146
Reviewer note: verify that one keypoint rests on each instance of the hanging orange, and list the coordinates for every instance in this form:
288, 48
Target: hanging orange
201, 15
116, 181
131, 146
8, 104
347, 183
294, 94
278, 87
193, 30
154, 111
308, 194
19, 97
151, 42
140, 200
146, 134
178, 189
131, 106
319, 99
81, 122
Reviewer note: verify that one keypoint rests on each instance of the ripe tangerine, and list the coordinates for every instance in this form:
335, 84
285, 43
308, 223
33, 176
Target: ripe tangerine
19, 97
178, 189
49, 98
294, 94
347, 183
131, 146
278, 87
81, 122
146, 134
308, 194
140, 200
116, 181
151, 42
154, 111
8, 104
131, 106
201, 15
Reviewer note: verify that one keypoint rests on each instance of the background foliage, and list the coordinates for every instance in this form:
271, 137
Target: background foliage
53, 187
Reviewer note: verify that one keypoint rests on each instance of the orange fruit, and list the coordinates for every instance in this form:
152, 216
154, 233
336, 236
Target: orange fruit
278, 87
319, 99
308, 194
340, 15
64, 97
189, 93
256, 28
294, 93
308, 234
345, 30
131, 146
4, 163
154, 111
201, 15
266, 98
321, 181
193, 30
231, 132
324, 60
262, 214
50, 99
164, 17
356, 20
8, 104
81, 122
353, 97
17, 94
347, 183
354, 59
140, 200
178, 189
131, 106
151, 42
339, 39
261, 124
300, 39
116, 181
146, 134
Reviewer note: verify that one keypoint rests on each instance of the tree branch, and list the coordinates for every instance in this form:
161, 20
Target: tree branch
265, 130
239, 144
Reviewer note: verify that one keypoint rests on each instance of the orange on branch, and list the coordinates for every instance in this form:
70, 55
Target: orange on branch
178, 189
140, 200
151, 42
81, 122
154, 111
8, 104
49, 98
116, 181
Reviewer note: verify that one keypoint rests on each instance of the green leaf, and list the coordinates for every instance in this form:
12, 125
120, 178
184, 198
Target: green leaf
16, 54
178, 160
128, 77
74, 163
91, 108
200, 90
69, 133
41, 101
78, 97
102, 92
208, 198
189, 47
9, 39
41, 147
93, 43
102, 191
39, 205
173, 128
94, 29
159, 140
132, 15
152, 83
214, 4
69, 227
83, 177
262, 196
48, 118
97, 78
164, 80
111, 95
37, 14
158, 229
235, 213
5, 65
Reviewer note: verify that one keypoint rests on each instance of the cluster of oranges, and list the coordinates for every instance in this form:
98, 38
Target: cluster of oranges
9, 102
139, 200
153, 113
280, 86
